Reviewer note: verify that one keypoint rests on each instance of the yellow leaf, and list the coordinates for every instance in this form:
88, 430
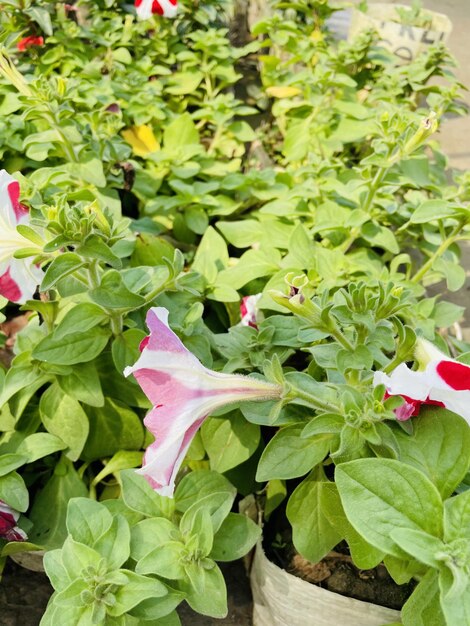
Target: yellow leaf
142, 139
283, 92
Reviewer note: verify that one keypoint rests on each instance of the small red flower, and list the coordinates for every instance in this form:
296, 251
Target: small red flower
29, 42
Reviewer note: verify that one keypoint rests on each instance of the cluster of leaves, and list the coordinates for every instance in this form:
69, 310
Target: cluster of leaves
131, 138
134, 560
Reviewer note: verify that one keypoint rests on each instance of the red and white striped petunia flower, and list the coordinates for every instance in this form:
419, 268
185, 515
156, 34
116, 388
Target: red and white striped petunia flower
443, 382
183, 393
146, 8
249, 311
19, 278
8, 528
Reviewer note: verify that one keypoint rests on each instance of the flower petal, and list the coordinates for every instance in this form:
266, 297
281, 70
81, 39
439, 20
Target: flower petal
454, 374
249, 310
183, 393
146, 8
8, 528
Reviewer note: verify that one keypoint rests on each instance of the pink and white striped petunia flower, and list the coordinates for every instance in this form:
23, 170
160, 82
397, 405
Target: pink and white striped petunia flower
8, 528
146, 8
18, 277
249, 311
444, 382
183, 393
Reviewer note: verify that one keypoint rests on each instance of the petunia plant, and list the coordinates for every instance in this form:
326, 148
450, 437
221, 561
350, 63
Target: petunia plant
215, 258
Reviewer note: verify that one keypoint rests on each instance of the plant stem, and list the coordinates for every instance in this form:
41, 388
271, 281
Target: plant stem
439, 252
93, 274
115, 320
373, 187
332, 328
296, 393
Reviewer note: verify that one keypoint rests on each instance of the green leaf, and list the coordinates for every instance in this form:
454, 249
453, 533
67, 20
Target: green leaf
89, 171
113, 427
380, 236
113, 293
218, 505
114, 543
77, 556
41, 16
49, 510
139, 495
81, 318
150, 250
150, 534
420, 545
379, 495
211, 256
276, 493
160, 610
87, 520
10, 462
212, 600
55, 569
438, 447
83, 384
125, 348
165, 561
13, 491
73, 348
183, 83
123, 459
297, 140
21, 375
422, 608
289, 455
70, 596
95, 248
198, 484
455, 605
196, 529
61, 266
229, 440
433, 210
39, 445
313, 533
64, 417
457, 517
180, 132
136, 589
235, 538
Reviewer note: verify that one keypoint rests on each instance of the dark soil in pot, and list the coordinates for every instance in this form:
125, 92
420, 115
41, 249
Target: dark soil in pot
24, 596
336, 572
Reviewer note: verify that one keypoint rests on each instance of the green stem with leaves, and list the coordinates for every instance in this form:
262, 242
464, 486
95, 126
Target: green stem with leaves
295, 393
438, 253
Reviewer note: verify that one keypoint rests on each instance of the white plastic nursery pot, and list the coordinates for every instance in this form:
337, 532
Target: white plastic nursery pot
281, 599
406, 42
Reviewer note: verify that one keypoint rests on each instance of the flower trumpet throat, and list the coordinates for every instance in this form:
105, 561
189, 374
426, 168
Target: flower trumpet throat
183, 393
